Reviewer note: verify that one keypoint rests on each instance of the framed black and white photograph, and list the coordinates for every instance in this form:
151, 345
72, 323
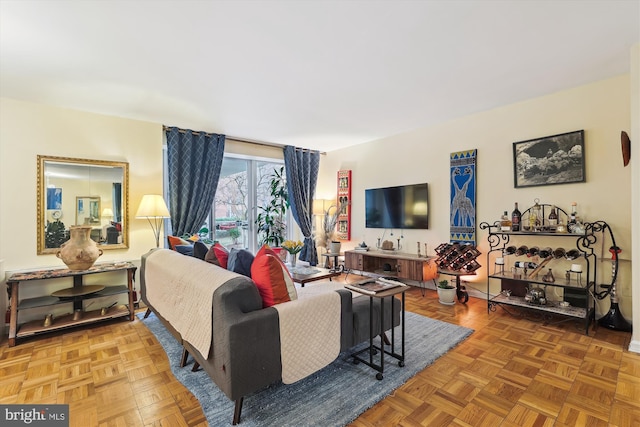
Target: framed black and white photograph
556, 159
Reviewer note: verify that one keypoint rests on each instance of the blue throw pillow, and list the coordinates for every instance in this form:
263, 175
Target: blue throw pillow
184, 249
240, 261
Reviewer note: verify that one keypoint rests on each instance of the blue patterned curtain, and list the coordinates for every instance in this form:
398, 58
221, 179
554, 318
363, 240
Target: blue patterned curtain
302, 175
117, 201
194, 163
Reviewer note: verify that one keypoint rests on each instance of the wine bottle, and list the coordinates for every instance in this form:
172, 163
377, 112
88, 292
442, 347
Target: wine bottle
472, 253
533, 251
452, 254
471, 266
509, 250
442, 248
457, 264
559, 253
505, 222
572, 254
516, 218
545, 252
572, 217
525, 264
553, 219
521, 250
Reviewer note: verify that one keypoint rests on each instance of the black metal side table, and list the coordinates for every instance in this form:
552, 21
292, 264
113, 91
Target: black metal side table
373, 349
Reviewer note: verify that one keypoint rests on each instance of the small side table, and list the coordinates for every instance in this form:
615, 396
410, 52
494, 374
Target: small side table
372, 348
335, 266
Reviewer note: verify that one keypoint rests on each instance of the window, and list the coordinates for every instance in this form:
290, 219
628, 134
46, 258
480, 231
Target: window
243, 187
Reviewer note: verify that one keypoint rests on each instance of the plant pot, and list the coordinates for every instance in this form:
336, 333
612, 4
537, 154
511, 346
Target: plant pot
447, 296
282, 254
334, 247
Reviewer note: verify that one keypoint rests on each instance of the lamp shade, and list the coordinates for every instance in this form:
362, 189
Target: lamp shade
318, 207
152, 206
107, 213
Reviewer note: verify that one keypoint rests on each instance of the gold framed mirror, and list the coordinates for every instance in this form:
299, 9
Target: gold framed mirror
82, 192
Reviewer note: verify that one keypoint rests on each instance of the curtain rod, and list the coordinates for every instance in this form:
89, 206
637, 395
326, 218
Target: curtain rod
244, 140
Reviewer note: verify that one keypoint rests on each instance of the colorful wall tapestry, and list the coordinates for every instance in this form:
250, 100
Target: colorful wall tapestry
463, 197
344, 200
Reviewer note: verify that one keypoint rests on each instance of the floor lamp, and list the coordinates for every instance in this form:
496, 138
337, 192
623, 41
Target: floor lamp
154, 209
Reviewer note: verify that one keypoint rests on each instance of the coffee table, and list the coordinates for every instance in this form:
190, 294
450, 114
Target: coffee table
324, 273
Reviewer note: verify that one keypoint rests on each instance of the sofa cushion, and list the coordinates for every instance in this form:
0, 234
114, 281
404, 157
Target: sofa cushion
175, 240
211, 257
184, 249
218, 255
272, 280
266, 249
240, 261
200, 250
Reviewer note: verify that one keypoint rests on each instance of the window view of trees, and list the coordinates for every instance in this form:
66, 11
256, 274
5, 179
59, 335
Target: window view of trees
242, 189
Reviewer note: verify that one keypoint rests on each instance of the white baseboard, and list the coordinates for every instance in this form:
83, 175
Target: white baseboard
634, 346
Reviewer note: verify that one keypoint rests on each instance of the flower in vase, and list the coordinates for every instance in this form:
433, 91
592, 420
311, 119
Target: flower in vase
293, 247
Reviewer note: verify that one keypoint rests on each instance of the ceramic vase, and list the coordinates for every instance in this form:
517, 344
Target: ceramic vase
79, 252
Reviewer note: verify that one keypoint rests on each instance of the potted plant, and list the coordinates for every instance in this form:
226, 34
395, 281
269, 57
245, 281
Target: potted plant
446, 292
55, 234
270, 220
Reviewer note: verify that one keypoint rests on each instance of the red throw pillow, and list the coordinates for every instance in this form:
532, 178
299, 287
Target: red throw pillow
272, 280
222, 254
266, 249
211, 257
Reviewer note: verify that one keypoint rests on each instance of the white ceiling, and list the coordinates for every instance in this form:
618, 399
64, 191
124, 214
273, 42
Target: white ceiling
315, 74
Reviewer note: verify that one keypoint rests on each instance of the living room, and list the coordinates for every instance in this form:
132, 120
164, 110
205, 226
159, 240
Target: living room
602, 108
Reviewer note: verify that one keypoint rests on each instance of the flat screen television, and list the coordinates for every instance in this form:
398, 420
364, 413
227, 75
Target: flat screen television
405, 207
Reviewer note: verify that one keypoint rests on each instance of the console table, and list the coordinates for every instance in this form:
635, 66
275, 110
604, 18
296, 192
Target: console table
391, 263
73, 297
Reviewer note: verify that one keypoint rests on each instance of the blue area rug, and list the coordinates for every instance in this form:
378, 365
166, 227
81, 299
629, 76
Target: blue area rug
333, 396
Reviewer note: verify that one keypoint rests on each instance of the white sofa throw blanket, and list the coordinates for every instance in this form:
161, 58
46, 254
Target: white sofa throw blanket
309, 331
181, 288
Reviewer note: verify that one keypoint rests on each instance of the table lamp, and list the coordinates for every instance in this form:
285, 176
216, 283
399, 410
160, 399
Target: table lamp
107, 213
154, 209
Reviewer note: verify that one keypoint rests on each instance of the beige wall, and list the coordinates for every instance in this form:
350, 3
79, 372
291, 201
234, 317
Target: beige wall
422, 155
635, 191
30, 129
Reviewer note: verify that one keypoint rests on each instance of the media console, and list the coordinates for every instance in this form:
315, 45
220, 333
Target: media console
395, 264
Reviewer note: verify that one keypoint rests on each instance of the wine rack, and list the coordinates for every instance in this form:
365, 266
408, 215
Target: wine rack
578, 287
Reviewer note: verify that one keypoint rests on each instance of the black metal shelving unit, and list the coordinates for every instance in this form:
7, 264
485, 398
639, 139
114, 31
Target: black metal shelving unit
551, 312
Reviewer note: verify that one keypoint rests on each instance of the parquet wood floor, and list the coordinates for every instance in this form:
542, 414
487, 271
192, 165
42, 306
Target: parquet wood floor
510, 372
